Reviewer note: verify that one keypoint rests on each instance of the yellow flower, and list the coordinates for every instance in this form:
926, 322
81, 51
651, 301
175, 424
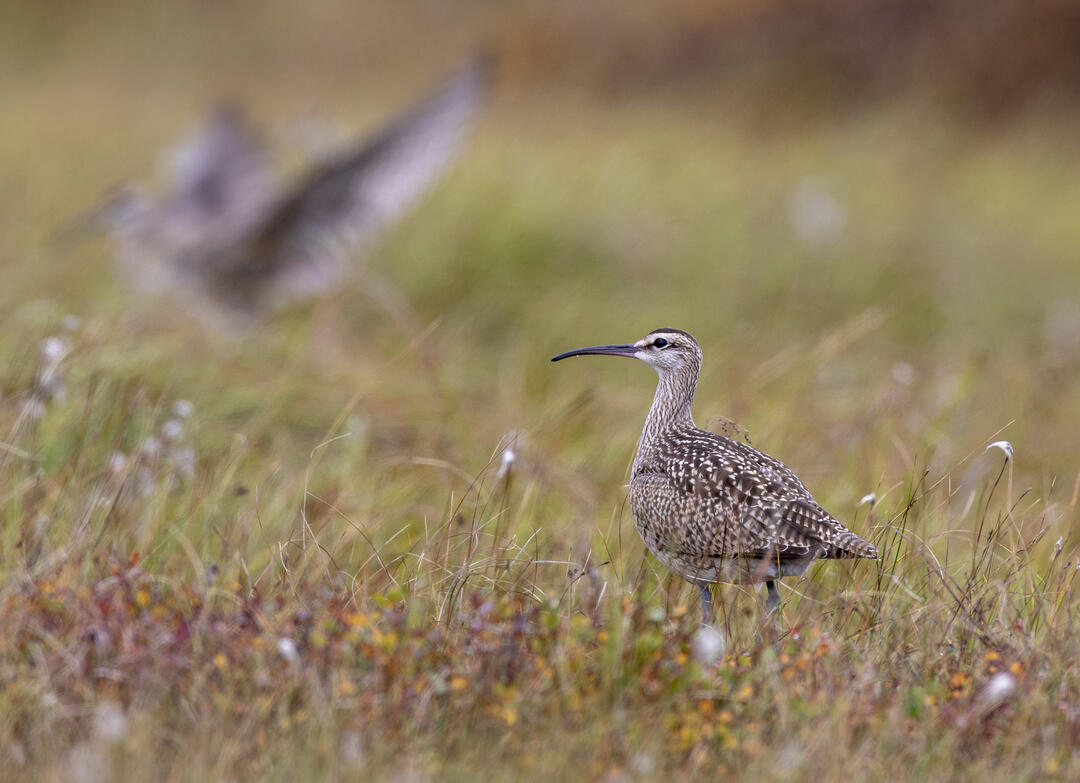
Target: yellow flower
356, 619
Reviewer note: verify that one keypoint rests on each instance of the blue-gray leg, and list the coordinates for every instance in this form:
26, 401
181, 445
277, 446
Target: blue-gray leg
706, 604
772, 601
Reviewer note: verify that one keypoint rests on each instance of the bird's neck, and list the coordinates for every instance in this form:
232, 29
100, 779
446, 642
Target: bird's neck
670, 411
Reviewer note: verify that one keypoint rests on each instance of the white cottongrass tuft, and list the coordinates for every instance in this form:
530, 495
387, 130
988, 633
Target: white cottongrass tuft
286, 648
50, 375
53, 349
998, 690
1005, 446
869, 497
508, 457
183, 408
707, 645
117, 462
151, 447
511, 445
172, 429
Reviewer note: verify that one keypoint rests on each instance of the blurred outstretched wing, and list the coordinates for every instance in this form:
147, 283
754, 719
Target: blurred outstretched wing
221, 179
302, 245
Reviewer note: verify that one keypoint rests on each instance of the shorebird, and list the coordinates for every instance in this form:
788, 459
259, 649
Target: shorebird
710, 508
241, 242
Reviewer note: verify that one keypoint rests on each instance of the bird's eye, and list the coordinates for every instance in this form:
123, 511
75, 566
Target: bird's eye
659, 342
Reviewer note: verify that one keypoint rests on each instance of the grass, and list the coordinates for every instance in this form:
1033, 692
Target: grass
326, 567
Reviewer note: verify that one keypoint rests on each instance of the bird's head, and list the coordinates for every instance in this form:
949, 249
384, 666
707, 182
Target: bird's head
668, 351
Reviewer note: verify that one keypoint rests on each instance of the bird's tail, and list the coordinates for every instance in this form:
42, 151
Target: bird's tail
847, 544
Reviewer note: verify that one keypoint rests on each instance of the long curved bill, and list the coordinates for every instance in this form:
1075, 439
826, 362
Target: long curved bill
603, 350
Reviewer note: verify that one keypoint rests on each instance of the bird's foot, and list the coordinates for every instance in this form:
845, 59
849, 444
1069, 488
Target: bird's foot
706, 604
767, 630
772, 600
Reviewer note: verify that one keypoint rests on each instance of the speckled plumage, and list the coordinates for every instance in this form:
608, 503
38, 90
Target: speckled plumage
710, 508
243, 244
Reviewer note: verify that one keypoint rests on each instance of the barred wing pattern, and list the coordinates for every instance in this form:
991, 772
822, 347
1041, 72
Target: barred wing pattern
222, 182
304, 241
709, 498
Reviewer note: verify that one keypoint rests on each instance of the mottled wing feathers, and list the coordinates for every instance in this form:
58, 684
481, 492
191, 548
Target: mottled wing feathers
386, 176
729, 499
221, 179
306, 238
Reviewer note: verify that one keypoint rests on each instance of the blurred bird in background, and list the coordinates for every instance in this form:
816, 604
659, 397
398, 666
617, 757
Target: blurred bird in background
246, 245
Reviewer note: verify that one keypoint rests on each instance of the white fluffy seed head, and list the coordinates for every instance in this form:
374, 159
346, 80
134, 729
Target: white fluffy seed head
172, 429
1005, 446
508, 457
1000, 687
286, 648
151, 447
707, 645
183, 408
53, 349
118, 461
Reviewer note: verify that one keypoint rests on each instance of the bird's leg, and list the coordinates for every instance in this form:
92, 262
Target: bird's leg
772, 601
706, 604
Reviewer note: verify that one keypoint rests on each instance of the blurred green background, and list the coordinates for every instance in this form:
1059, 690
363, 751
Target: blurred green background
866, 212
